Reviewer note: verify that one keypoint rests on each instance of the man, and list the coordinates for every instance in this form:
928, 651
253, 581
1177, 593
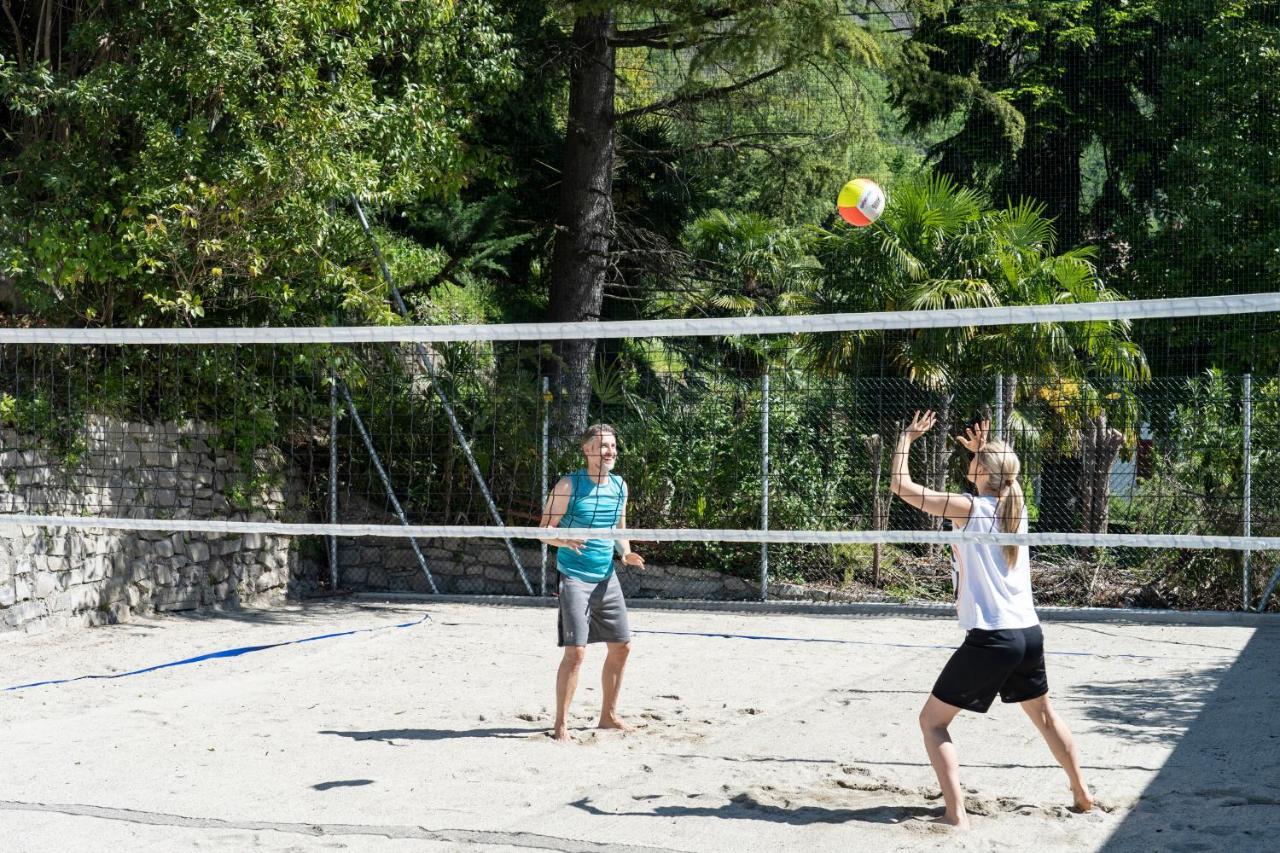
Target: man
592, 609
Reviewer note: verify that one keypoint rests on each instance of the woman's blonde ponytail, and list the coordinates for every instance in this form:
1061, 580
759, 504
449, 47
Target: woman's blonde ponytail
1009, 509
1001, 465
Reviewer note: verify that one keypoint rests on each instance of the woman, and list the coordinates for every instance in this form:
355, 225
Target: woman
592, 608
1003, 650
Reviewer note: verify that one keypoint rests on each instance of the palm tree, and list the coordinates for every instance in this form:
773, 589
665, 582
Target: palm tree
743, 265
940, 245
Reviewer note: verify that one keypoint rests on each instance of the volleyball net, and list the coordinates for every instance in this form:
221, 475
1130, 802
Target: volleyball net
757, 451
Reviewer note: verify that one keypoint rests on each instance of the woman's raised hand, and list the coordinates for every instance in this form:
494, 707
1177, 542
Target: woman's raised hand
920, 424
975, 436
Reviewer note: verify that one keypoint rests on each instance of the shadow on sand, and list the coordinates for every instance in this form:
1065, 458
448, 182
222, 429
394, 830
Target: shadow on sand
1220, 787
746, 807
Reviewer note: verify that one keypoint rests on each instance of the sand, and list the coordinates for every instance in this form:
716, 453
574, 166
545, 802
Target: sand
433, 737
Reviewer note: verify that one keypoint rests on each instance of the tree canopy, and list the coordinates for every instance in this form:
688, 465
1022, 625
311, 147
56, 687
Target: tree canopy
193, 162
179, 163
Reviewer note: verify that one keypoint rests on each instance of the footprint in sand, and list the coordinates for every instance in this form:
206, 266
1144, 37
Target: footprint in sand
880, 786
987, 807
927, 826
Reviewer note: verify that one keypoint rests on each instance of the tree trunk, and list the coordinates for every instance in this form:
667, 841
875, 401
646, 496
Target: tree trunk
879, 516
939, 454
1008, 392
584, 223
1099, 447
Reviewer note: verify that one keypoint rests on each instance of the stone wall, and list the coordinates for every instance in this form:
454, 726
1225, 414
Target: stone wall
462, 566
484, 567
60, 577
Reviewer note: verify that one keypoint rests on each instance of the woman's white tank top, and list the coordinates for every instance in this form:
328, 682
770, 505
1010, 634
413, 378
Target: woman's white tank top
990, 597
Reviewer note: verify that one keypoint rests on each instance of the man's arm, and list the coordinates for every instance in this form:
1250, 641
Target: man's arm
557, 505
629, 557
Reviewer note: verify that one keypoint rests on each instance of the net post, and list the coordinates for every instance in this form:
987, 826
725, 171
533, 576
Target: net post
386, 482
456, 427
1247, 508
1266, 593
999, 418
764, 482
546, 432
333, 479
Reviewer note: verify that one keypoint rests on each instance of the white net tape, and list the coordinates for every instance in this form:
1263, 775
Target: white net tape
772, 537
1140, 309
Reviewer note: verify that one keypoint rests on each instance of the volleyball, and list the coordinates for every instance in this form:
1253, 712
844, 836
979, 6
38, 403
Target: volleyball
861, 202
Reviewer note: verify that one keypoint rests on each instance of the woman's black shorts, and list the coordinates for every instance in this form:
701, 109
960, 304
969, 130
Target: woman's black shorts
1009, 662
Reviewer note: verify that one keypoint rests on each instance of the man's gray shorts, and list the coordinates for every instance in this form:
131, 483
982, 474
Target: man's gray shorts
592, 612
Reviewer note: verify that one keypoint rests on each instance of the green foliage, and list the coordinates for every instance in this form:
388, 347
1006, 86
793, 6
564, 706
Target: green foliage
745, 264
1204, 217
1197, 484
1197, 487
695, 461
472, 234
35, 414
188, 163
1147, 127
179, 163
1023, 89
788, 145
739, 108
940, 245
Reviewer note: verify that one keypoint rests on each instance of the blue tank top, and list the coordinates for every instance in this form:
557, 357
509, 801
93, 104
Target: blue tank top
592, 504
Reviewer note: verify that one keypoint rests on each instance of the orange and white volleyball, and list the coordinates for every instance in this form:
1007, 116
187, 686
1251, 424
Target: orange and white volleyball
861, 202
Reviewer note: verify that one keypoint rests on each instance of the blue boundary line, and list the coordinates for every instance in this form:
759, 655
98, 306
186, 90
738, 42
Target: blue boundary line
224, 653
244, 650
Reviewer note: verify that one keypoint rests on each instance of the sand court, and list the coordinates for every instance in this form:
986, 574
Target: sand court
422, 726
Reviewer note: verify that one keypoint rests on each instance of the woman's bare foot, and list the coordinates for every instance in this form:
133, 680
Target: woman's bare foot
960, 823
613, 721
1083, 799
561, 734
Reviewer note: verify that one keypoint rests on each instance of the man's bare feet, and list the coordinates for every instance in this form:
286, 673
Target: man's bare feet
960, 823
615, 722
561, 734
1083, 799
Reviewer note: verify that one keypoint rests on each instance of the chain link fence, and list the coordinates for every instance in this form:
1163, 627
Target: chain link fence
1160, 456
482, 444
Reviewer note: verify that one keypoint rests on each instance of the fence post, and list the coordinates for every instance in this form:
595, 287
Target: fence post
333, 479
764, 481
386, 484
1247, 509
546, 426
999, 419
425, 358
